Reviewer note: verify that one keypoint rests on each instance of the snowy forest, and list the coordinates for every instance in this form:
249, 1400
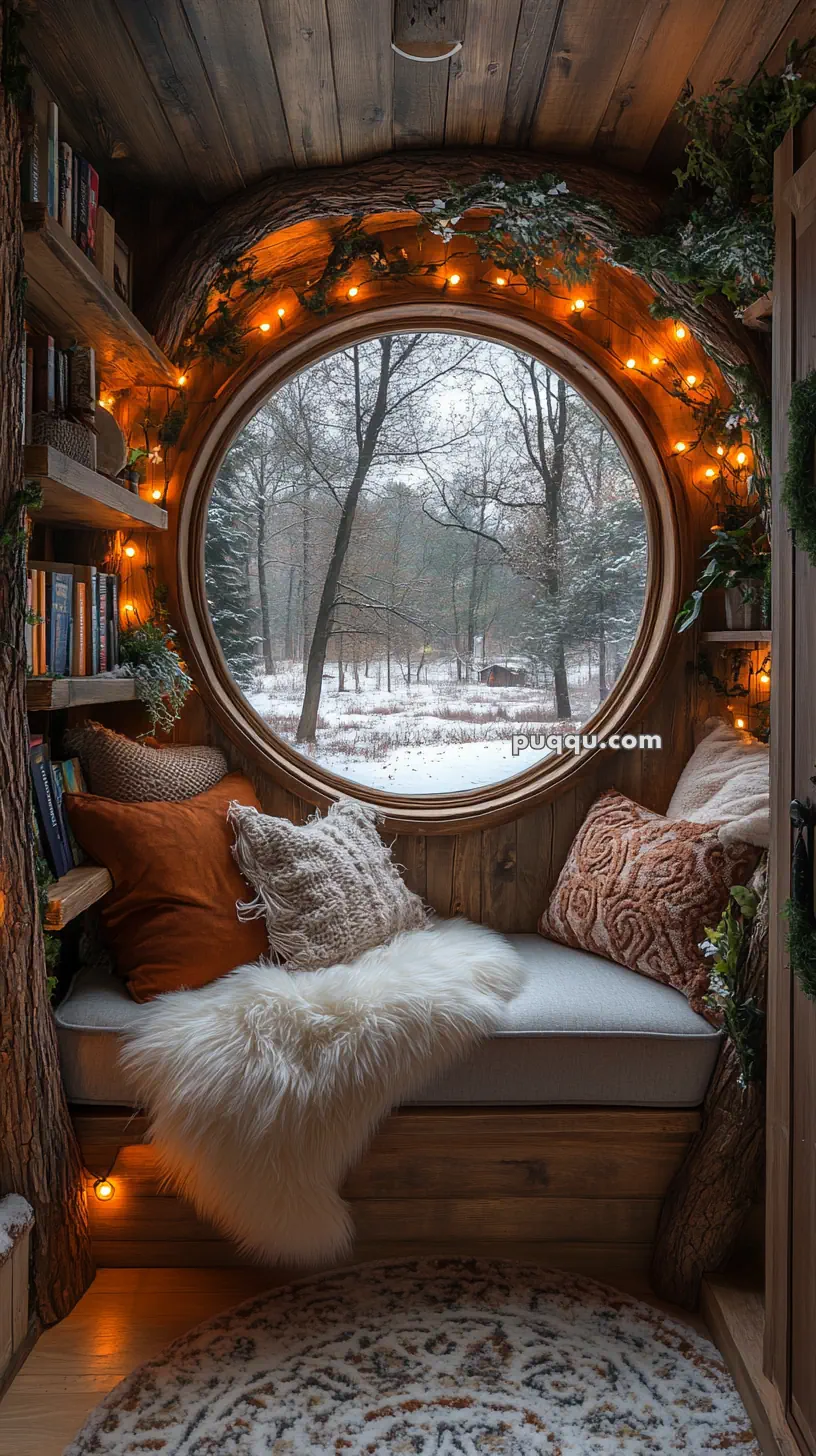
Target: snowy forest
418, 547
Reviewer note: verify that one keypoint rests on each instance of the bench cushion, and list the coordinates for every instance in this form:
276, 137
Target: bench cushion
582, 1031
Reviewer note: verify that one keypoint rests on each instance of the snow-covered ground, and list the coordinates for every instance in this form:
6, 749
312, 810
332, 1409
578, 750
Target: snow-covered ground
436, 737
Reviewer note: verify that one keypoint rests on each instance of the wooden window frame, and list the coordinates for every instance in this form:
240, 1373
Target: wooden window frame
453, 812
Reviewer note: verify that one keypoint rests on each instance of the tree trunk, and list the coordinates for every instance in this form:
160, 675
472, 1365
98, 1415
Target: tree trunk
288, 645
39, 1157
713, 1190
602, 689
559, 670
263, 592
304, 584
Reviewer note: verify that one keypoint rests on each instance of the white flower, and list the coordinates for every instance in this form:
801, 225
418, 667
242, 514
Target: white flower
559, 187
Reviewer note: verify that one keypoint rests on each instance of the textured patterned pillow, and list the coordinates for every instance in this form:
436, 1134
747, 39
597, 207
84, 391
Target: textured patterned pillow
640, 889
328, 890
132, 773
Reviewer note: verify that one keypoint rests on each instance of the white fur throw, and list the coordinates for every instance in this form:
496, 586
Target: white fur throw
264, 1087
328, 889
727, 779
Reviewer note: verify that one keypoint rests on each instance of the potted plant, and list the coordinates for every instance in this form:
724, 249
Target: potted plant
738, 561
132, 473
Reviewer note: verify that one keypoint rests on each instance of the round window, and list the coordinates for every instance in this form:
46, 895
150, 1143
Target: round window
425, 559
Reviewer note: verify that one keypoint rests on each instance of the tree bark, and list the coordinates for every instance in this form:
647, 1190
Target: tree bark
713, 1190
39, 1157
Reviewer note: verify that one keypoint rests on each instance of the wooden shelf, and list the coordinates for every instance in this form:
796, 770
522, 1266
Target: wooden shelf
73, 495
759, 634
45, 694
75, 892
76, 303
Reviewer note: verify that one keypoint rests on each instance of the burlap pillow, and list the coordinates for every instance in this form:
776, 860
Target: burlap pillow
328, 890
133, 773
640, 889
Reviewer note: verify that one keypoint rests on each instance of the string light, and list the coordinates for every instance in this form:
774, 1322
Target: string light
680, 331
353, 291
157, 495
129, 607
181, 381
720, 450
104, 1190
630, 363
264, 328
501, 282
656, 360
455, 278
680, 446
691, 380
764, 678
710, 473
578, 305
130, 551
739, 722
281, 313
741, 457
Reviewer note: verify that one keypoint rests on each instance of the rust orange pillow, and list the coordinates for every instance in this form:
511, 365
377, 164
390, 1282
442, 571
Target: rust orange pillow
640, 889
170, 919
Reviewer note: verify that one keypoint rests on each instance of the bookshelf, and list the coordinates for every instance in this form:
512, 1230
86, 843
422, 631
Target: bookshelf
75, 496
48, 694
75, 892
71, 296
737, 637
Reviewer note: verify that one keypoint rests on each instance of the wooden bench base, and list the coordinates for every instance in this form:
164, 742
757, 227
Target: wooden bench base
586, 1182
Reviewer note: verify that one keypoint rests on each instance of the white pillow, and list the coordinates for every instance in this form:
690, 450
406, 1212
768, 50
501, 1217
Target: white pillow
727, 778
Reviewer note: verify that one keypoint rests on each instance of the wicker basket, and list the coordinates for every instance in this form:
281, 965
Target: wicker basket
73, 439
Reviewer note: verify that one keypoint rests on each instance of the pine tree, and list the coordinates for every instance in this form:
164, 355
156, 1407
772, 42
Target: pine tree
226, 556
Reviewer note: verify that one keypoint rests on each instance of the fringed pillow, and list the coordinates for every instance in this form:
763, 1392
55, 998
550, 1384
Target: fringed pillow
640, 890
134, 773
328, 890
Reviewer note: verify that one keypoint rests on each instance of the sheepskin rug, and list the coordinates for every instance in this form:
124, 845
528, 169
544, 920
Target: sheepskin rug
265, 1087
436, 1357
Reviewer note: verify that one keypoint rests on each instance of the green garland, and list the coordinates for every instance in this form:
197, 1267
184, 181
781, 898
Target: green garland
802, 946
798, 486
727, 943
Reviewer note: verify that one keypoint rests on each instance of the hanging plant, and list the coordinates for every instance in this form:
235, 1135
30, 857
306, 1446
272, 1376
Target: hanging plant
149, 655
727, 944
798, 486
735, 557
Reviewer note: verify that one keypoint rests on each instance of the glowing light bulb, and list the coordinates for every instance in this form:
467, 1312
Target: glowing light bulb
680, 446
691, 380
655, 360
129, 606
281, 313
630, 363
130, 550
764, 679
739, 722
181, 381
157, 495
741, 457
578, 305
501, 282
352, 293
264, 328
455, 278
104, 1190
721, 450
710, 473
680, 331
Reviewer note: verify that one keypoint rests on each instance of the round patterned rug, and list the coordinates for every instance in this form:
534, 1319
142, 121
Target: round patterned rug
442, 1356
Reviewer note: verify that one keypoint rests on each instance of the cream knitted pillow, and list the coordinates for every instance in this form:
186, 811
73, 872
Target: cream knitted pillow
328, 890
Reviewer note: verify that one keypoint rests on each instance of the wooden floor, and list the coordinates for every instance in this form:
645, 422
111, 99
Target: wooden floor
129, 1315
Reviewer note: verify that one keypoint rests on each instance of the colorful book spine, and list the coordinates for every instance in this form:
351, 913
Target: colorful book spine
41, 625
66, 186
60, 789
105, 254
93, 207
53, 158
60, 592
83, 200
79, 635
42, 781
30, 175
102, 629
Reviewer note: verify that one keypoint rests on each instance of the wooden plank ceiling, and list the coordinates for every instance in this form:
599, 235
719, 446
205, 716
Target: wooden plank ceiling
207, 96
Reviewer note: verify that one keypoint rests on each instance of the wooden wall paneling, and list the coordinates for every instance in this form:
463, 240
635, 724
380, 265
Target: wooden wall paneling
420, 88
665, 44
409, 851
99, 100
532, 54
777, 1275
301, 48
534, 871
161, 38
439, 855
466, 876
499, 872
480, 73
363, 76
234, 47
735, 47
586, 61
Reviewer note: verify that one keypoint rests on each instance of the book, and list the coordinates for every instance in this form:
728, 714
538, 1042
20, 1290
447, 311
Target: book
82, 380
73, 776
66, 186
88, 574
71, 847
45, 379
93, 208
83, 203
105, 254
53, 158
58, 608
102, 625
30, 136
61, 370
56, 849
41, 625
75, 196
79, 641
